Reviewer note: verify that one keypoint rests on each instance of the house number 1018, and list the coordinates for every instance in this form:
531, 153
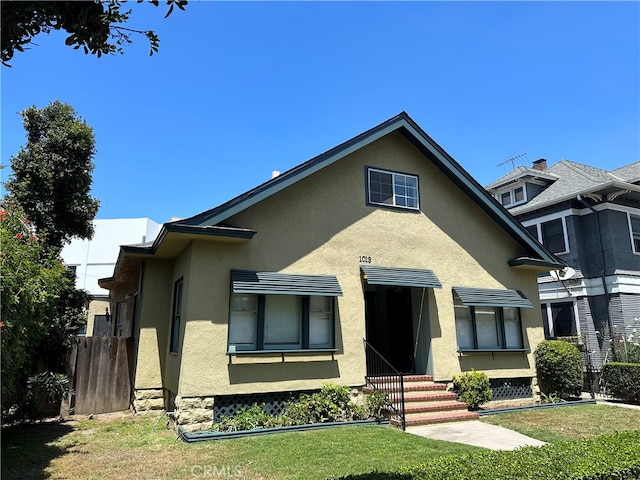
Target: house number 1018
365, 259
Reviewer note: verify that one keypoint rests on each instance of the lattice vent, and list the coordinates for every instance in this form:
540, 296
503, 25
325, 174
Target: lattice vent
510, 388
274, 402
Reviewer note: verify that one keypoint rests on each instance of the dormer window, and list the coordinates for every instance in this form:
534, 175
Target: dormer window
513, 196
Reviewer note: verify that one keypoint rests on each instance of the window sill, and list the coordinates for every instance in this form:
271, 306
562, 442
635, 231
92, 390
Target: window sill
493, 351
283, 353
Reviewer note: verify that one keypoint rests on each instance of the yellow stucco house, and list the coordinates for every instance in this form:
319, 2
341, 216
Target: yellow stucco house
384, 238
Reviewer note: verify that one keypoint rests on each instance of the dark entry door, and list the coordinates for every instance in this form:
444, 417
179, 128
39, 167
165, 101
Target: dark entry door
389, 325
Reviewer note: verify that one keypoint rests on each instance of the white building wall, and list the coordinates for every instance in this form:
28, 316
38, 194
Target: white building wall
96, 258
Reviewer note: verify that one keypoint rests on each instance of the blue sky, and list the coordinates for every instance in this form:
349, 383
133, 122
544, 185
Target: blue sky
239, 89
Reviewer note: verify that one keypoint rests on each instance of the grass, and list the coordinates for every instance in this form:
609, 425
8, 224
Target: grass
130, 448
135, 447
568, 423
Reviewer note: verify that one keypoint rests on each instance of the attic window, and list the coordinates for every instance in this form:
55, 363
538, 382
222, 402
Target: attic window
512, 197
392, 189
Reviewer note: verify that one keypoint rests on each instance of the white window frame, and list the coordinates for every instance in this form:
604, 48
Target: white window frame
633, 243
550, 325
471, 318
394, 176
264, 341
512, 196
538, 223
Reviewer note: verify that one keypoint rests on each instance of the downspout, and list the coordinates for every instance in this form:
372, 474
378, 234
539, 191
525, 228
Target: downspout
603, 274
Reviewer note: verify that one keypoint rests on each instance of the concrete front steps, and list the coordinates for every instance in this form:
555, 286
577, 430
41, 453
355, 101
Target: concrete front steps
427, 402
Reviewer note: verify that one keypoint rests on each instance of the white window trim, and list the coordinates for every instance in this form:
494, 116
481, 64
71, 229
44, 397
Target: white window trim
512, 196
576, 319
549, 218
633, 245
393, 176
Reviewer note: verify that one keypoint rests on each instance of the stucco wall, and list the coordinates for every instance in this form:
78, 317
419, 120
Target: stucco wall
323, 225
153, 324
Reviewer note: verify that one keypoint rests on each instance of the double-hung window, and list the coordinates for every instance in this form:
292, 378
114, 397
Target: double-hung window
634, 228
392, 189
552, 234
488, 319
512, 197
279, 312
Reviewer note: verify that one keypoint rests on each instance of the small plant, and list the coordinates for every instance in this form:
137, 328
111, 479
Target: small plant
378, 404
45, 392
247, 418
559, 368
473, 388
551, 398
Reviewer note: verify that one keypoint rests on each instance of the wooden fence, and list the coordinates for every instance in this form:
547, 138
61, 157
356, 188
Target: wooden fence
100, 369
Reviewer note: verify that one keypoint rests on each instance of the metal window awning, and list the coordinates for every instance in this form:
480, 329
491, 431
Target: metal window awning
400, 277
485, 297
273, 283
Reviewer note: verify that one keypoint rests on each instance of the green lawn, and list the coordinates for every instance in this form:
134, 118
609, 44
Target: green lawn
141, 447
568, 423
130, 449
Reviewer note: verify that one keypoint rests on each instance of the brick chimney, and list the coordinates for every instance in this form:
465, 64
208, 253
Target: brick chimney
540, 164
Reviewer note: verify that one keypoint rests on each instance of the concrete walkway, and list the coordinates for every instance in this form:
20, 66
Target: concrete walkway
475, 432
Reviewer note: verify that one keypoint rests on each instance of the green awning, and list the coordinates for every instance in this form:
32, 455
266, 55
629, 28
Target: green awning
400, 277
485, 297
273, 283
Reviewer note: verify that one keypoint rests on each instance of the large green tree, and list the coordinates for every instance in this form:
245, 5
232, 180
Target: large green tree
51, 177
96, 26
32, 279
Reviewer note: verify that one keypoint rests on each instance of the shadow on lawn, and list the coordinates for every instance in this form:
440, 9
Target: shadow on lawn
26, 449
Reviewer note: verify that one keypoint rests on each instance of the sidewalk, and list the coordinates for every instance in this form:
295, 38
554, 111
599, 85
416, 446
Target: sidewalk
477, 433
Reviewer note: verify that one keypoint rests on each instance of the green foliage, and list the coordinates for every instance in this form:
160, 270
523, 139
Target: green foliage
97, 27
559, 368
378, 404
70, 316
622, 380
332, 403
32, 278
615, 457
44, 393
473, 388
247, 418
51, 177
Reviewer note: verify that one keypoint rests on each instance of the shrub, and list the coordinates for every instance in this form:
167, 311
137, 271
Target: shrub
378, 404
473, 388
622, 380
615, 457
559, 368
246, 418
45, 392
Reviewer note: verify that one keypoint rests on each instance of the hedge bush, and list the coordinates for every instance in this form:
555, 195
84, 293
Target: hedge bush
333, 403
611, 457
559, 368
473, 388
622, 380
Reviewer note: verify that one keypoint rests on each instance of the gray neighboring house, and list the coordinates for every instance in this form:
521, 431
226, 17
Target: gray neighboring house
590, 218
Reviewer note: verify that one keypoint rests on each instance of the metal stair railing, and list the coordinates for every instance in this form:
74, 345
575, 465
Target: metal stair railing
382, 376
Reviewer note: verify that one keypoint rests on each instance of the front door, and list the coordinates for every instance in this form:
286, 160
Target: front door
389, 326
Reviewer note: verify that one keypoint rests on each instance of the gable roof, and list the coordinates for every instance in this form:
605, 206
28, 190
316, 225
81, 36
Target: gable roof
575, 179
211, 222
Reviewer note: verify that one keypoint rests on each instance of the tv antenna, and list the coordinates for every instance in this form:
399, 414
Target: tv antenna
512, 160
